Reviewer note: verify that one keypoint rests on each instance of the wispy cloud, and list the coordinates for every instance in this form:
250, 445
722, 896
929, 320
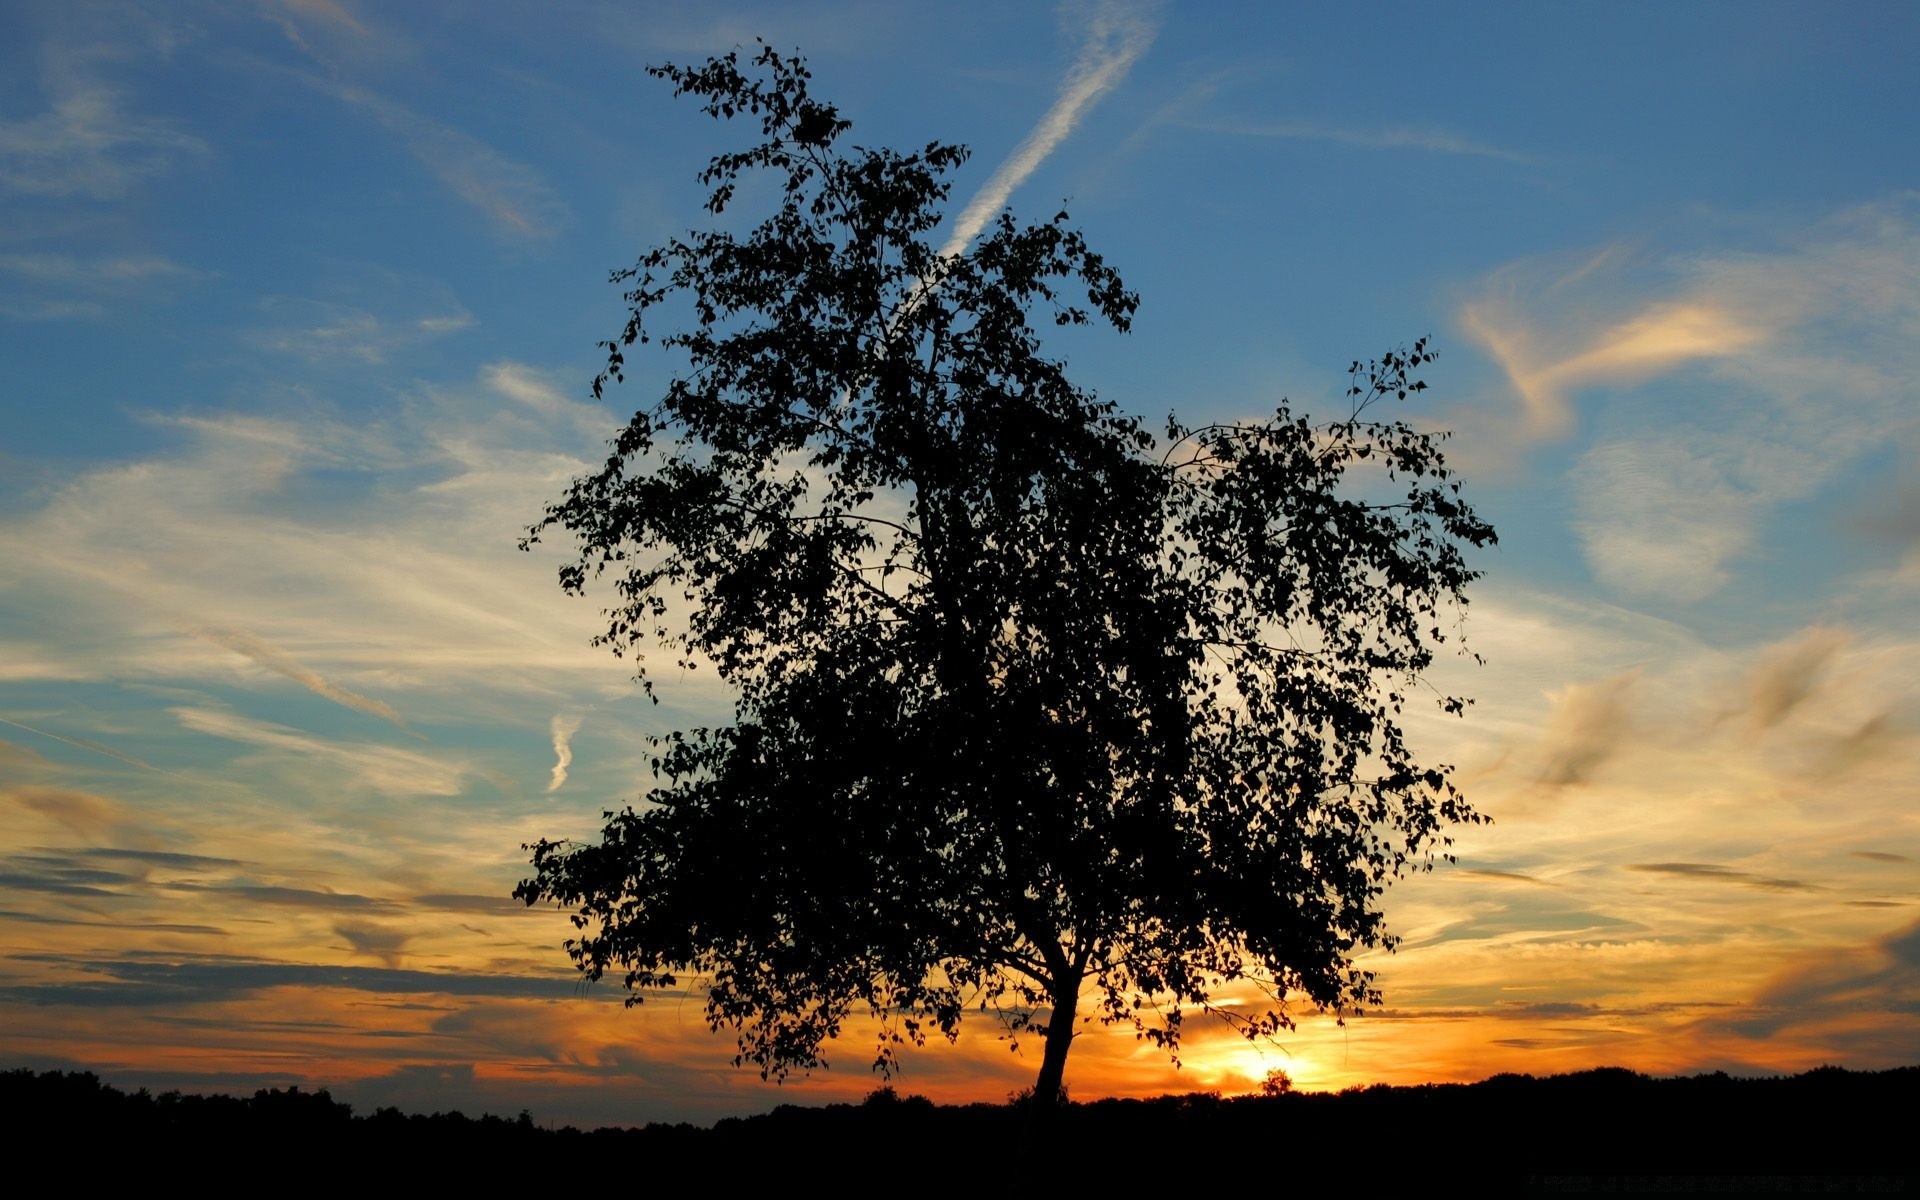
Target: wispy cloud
1651, 342
331, 12
92, 274
1711, 872
511, 194
187, 980
90, 139
81, 743
1590, 724
385, 769
533, 389
1786, 677
87, 144
1852, 992
280, 662
1781, 317
1395, 137
80, 812
1114, 36
379, 556
1658, 518
368, 940
565, 725
322, 331
36, 309
1796, 360
290, 897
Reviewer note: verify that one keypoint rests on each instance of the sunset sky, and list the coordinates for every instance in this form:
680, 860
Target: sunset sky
298, 304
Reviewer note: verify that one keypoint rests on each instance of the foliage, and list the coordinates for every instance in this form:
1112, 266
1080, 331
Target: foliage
1028, 700
1277, 1083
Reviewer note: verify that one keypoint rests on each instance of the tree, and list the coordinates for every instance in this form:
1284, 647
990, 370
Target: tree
1030, 703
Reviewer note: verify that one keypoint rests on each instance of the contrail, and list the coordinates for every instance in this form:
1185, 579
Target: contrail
84, 744
565, 725
1116, 36
279, 661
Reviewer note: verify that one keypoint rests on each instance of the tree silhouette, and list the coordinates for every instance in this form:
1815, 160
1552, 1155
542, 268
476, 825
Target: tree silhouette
1034, 709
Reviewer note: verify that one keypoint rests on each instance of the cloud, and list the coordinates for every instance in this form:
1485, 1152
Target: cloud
323, 331
1402, 137
1529, 922
159, 858
1880, 856
1693, 870
1767, 372
565, 725
374, 941
1789, 673
100, 273
1656, 340
536, 392
53, 287
190, 980
1851, 991
386, 769
1500, 876
279, 662
383, 550
86, 144
466, 902
82, 812
289, 897
1114, 35
1589, 725
57, 879
19, 757
1895, 520
146, 926
329, 11
509, 193
86, 744
1658, 518
53, 310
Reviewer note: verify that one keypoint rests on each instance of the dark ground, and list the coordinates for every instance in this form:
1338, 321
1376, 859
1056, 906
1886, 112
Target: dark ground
1609, 1131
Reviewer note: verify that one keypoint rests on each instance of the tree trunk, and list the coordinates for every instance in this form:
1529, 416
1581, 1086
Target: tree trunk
1053, 1066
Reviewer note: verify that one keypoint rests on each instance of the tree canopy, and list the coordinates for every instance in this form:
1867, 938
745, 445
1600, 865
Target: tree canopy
1035, 708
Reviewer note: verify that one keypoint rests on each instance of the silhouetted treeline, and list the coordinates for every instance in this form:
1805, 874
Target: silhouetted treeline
1607, 1130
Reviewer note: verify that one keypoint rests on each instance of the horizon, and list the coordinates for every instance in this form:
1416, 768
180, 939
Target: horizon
300, 303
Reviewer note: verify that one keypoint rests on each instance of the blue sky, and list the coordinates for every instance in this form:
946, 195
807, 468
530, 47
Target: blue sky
298, 304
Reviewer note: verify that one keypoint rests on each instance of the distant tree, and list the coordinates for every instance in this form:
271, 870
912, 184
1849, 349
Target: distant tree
1277, 1083
1034, 710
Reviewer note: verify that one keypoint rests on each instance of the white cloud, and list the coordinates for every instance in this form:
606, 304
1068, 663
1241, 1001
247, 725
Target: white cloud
389, 770
1394, 137
86, 145
1660, 517
91, 273
380, 554
564, 726
88, 142
281, 663
1797, 360
327, 331
510, 193
1651, 342
533, 389
64, 287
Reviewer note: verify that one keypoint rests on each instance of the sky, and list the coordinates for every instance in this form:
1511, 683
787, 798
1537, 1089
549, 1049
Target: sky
298, 311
